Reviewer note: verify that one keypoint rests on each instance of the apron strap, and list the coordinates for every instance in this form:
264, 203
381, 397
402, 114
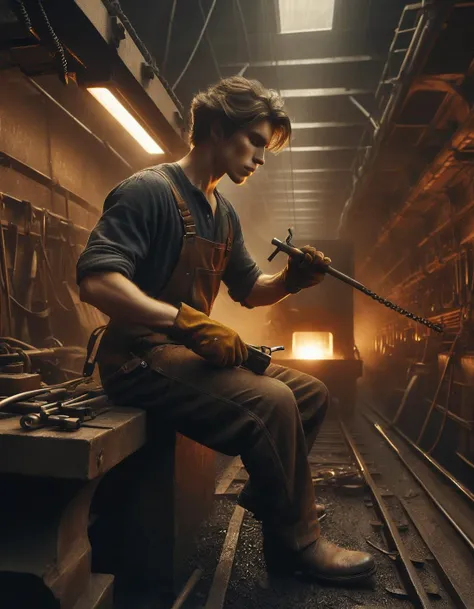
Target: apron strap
188, 220
230, 235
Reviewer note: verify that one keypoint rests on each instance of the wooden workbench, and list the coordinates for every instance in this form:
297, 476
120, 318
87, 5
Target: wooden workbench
47, 481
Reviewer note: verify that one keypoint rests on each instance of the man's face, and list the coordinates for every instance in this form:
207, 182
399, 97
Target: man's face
241, 154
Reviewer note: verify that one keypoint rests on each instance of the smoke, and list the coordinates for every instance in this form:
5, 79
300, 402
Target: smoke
258, 229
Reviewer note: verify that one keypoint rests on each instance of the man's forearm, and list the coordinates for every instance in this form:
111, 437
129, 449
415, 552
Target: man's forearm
267, 290
120, 299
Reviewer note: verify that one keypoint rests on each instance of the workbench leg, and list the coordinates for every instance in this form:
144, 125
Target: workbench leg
45, 553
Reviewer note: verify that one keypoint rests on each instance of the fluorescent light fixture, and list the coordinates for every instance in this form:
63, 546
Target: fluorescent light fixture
108, 100
326, 92
305, 15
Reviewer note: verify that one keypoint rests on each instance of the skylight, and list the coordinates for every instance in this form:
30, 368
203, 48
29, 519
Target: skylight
305, 15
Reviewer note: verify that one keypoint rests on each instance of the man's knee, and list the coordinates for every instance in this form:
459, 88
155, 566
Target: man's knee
319, 399
321, 393
279, 402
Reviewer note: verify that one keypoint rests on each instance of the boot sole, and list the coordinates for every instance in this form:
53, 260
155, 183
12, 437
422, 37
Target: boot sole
341, 579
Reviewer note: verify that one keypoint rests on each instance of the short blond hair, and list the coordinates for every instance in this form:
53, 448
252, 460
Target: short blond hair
235, 103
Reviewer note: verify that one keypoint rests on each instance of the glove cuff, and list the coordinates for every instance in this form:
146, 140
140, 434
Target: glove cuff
186, 323
291, 286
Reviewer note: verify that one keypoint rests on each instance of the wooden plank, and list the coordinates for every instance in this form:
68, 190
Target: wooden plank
99, 593
228, 476
221, 579
83, 454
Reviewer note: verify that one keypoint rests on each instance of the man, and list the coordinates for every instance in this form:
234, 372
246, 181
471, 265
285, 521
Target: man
154, 264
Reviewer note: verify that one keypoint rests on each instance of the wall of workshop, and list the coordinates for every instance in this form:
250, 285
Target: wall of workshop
36, 132
417, 250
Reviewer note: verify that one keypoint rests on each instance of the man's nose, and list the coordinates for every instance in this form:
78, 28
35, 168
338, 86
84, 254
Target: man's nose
259, 157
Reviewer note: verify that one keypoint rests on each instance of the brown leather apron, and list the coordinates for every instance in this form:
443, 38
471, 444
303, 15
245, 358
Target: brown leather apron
195, 281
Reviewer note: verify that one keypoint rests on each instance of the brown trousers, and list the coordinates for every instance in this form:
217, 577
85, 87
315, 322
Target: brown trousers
271, 421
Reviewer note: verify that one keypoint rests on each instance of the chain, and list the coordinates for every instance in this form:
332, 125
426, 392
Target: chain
291, 250
57, 43
25, 16
397, 309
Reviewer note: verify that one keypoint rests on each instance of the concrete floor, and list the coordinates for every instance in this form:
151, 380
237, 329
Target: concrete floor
349, 522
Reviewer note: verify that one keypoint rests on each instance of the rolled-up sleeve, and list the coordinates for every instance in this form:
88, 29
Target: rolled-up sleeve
242, 271
123, 234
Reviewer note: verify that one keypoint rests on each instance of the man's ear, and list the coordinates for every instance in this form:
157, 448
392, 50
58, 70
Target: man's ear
217, 132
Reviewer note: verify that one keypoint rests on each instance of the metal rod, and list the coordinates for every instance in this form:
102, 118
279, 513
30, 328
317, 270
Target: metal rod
411, 383
43, 352
295, 252
4, 263
59, 389
410, 576
448, 362
188, 588
10, 199
7, 160
365, 112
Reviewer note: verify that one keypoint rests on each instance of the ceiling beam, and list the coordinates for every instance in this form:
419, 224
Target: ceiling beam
325, 92
346, 76
268, 47
327, 125
322, 183
313, 61
328, 108
290, 200
310, 159
315, 170
319, 148
303, 191
284, 211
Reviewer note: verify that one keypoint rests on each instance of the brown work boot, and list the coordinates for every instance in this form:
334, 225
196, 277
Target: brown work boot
322, 561
247, 501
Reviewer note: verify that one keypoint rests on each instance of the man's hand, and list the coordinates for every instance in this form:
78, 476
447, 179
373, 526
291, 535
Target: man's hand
210, 339
305, 272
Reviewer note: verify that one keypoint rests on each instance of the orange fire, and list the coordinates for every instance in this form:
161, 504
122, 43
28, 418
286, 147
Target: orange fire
313, 345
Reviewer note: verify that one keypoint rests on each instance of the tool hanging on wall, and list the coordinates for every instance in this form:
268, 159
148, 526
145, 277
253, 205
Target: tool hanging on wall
291, 250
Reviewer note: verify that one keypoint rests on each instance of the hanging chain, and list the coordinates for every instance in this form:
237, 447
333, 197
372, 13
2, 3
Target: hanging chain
291, 250
397, 309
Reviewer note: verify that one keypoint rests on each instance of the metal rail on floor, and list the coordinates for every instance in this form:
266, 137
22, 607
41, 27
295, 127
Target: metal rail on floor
444, 578
412, 582
431, 461
469, 542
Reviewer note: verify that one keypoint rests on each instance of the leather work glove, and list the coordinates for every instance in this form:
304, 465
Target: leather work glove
210, 339
305, 272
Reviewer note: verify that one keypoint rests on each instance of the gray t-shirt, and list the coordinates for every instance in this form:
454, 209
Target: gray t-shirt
140, 233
